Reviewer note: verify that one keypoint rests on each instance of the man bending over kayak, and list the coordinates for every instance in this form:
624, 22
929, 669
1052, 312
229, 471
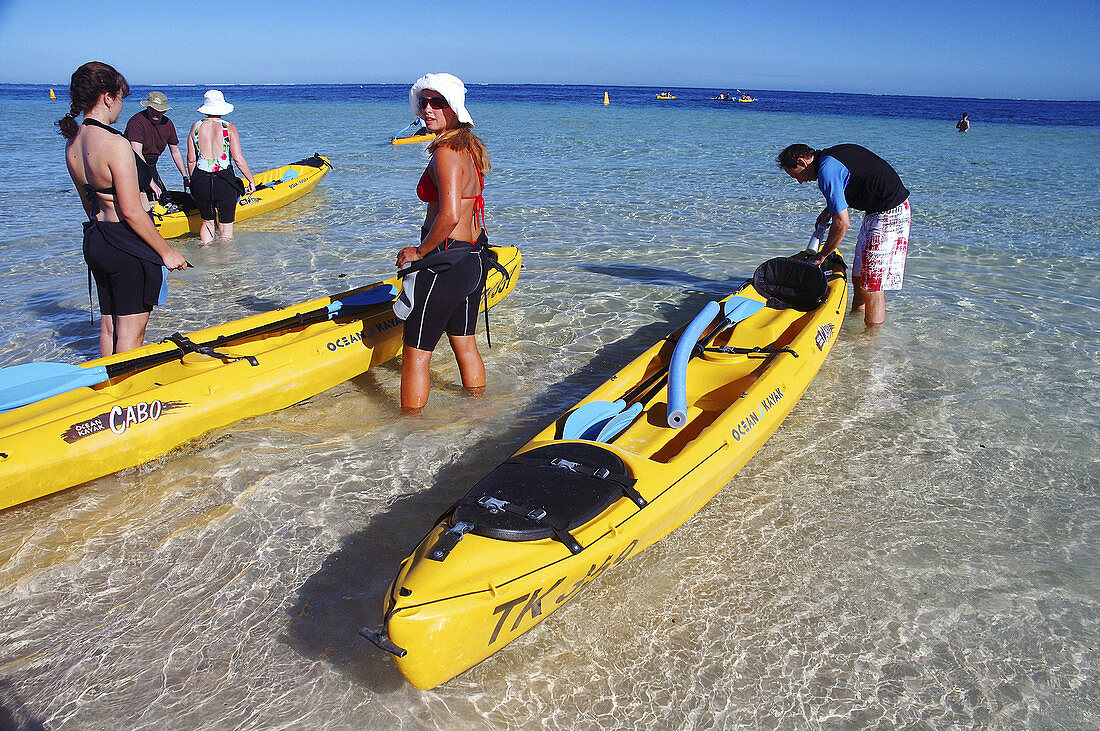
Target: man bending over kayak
853, 176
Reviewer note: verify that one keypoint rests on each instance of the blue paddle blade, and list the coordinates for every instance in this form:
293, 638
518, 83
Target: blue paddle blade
616, 424
589, 415
374, 296
30, 382
737, 308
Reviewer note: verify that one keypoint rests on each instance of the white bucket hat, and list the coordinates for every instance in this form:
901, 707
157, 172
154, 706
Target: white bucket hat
214, 104
450, 87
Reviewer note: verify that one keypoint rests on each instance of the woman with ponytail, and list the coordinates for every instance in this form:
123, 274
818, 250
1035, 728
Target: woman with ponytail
442, 292
123, 249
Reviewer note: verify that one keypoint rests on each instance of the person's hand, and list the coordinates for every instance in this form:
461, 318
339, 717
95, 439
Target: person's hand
822, 219
249, 186
408, 255
186, 182
174, 260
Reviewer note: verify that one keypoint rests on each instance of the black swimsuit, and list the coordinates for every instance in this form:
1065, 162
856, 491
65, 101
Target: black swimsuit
127, 270
144, 172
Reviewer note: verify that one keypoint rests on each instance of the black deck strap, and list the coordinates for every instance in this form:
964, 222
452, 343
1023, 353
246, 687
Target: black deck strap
752, 351
488, 256
625, 482
187, 346
449, 540
537, 515
314, 162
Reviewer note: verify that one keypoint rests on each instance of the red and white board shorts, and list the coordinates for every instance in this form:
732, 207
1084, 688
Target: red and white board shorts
880, 249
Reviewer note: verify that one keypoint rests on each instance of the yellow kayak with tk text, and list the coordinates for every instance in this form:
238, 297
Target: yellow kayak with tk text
613, 475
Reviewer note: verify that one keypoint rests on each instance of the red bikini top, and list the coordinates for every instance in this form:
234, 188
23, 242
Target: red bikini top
427, 192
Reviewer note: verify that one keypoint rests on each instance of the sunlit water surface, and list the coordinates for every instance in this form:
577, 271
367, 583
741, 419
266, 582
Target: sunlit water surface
918, 543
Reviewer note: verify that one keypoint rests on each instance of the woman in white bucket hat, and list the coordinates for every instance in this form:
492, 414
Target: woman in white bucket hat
210, 156
442, 290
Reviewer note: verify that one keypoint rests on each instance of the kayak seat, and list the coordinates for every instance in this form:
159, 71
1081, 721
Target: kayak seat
546, 492
786, 282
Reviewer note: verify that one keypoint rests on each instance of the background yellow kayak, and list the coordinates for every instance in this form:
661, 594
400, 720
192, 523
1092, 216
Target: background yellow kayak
274, 188
414, 138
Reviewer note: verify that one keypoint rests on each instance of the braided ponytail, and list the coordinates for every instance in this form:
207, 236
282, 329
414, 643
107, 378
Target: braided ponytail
67, 124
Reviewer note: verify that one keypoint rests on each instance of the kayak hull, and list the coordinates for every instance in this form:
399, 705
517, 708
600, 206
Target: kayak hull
90, 432
410, 140
272, 192
445, 615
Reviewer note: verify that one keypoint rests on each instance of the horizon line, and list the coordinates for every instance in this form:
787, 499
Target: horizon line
578, 84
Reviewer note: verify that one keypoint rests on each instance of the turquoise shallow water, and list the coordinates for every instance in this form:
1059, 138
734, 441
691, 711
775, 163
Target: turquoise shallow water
916, 545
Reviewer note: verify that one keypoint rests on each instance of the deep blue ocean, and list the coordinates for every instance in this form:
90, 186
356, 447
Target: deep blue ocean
917, 546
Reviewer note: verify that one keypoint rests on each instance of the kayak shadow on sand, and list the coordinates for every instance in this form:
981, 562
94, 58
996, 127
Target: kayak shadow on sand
348, 590
13, 714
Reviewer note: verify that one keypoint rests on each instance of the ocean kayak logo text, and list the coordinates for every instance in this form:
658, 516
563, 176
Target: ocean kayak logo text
746, 425
824, 334
358, 337
119, 419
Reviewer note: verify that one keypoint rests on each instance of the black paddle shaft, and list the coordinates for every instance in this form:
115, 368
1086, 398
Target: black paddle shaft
296, 320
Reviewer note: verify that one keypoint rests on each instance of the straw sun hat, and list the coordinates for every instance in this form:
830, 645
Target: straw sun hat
156, 100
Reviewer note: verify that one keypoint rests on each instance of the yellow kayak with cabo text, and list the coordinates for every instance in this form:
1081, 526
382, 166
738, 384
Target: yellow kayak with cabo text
274, 188
64, 424
616, 473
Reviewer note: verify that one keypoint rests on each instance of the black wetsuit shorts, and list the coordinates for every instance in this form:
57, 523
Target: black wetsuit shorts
444, 298
126, 270
216, 193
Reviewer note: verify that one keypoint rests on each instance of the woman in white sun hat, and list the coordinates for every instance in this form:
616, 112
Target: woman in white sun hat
443, 293
214, 145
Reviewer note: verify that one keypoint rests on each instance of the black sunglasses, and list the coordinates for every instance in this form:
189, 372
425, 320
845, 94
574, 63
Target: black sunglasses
436, 102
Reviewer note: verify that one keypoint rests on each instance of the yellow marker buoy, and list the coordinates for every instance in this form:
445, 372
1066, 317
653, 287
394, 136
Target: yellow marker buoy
606, 101
52, 95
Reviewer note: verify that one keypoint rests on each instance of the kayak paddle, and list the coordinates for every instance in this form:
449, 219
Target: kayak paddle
32, 382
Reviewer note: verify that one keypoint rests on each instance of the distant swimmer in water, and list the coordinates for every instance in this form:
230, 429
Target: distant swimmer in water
964, 123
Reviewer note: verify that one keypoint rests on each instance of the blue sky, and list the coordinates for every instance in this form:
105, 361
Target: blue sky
967, 48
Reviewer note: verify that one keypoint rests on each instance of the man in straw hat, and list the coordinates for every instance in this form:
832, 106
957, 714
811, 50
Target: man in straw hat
149, 132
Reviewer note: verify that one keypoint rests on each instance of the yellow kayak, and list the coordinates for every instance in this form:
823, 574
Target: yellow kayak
414, 138
666, 96
625, 467
248, 367
274, 189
